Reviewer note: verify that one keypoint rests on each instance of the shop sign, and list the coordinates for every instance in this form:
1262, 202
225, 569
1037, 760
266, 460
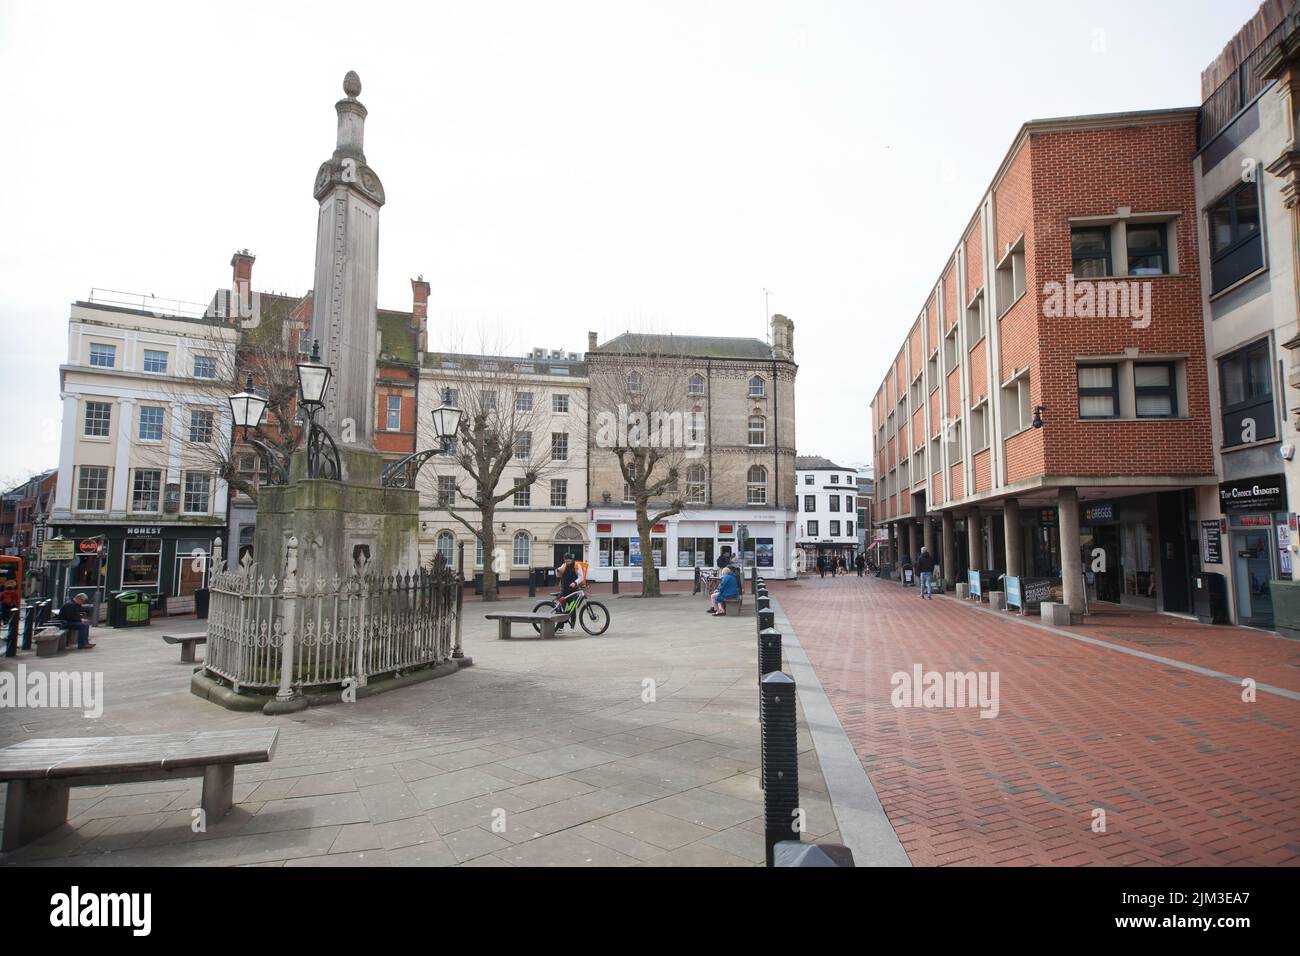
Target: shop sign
141, 531
1265, 493
57, 549
1211, 542
1284, 549
89, 546
1047, 516
1102, 512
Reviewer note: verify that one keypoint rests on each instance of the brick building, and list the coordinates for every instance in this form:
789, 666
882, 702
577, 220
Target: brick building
1050, 401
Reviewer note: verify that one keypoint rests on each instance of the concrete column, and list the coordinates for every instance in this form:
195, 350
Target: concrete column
1067, 510
905, 531
1011, 531
989, 541
949, 551
974, 542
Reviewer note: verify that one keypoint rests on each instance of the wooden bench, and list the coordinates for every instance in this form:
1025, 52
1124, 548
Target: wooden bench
41, 772
187, 643
547, 622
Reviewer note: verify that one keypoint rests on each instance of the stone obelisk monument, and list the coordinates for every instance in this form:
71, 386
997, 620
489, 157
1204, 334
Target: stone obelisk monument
338, 522
347, 271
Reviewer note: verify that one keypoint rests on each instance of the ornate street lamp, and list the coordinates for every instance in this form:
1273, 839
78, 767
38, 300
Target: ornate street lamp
322, 453
313, 379
248, 410
247, 407
446, 421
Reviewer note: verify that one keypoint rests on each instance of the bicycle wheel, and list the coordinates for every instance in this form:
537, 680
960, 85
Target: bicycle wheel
543, 606
594, 618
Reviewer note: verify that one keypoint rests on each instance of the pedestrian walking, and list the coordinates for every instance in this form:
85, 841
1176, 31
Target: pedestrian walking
925, 568
861, 564
821, 565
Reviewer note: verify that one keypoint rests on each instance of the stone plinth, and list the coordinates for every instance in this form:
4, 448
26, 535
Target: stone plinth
333, 519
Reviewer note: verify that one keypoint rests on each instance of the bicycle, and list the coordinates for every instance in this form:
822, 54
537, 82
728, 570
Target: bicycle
592, 615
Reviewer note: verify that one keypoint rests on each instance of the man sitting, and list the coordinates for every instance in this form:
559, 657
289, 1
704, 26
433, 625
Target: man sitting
70, 616
728, 590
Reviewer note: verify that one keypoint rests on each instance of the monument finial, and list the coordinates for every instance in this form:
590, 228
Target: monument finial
352, 84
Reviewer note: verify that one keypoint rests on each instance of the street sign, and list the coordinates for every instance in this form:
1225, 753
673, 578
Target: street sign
57, 549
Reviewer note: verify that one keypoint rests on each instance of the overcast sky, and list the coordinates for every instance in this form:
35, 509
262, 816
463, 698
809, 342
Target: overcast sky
551, 167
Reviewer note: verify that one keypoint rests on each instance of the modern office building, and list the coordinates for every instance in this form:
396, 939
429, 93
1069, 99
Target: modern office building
1047, 413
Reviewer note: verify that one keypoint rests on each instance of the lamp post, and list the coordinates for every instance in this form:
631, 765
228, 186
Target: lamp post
248, 410
446, 421
322, 453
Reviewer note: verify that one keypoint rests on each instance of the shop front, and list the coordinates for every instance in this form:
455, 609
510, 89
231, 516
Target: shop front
165, 561
685, 542
1259, 543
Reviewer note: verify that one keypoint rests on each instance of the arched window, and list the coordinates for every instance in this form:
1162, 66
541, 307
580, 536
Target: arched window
756, 387
757, 430
695, 386
522, 542
695, 485
446, 545
634, 382
756, 485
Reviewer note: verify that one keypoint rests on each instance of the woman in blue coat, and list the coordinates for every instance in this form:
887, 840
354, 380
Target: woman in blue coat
728, 590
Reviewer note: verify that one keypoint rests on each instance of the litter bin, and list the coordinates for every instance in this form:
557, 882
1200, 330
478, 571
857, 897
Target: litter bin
129, 609
201, 603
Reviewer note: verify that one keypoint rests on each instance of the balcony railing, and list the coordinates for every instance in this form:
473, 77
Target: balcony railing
1237, 91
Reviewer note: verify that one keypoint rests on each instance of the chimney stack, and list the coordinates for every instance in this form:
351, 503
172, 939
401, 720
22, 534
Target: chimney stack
420, 310
782, 338
591, 341
241, 284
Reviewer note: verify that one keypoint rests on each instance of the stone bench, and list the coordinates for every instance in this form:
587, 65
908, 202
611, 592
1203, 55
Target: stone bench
546, 621
41, 772
53, 638
187, 642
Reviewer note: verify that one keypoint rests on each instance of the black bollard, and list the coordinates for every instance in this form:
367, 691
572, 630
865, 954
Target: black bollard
780, 769
616, 580
695, 588
532, 582
765, 617
11, 649
29, 624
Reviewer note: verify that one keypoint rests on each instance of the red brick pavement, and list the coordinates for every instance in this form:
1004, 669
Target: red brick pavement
1186, 771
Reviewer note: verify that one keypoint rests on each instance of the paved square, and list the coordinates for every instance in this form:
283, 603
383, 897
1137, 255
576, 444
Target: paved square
550, 741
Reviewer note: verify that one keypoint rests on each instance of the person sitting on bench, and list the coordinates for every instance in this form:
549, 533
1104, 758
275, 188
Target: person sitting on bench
70, 617
728, 590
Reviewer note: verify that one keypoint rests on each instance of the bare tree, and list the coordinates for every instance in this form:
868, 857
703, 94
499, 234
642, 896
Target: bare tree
643, 417
501, 449
268, 352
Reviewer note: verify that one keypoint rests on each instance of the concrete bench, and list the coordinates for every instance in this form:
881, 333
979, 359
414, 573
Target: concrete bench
187, 643
53, 638
546, 621
41, 772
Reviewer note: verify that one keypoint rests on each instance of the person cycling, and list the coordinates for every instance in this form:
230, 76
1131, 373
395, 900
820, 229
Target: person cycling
571, 581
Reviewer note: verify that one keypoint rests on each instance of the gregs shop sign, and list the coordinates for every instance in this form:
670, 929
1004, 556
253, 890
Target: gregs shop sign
1266, 493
